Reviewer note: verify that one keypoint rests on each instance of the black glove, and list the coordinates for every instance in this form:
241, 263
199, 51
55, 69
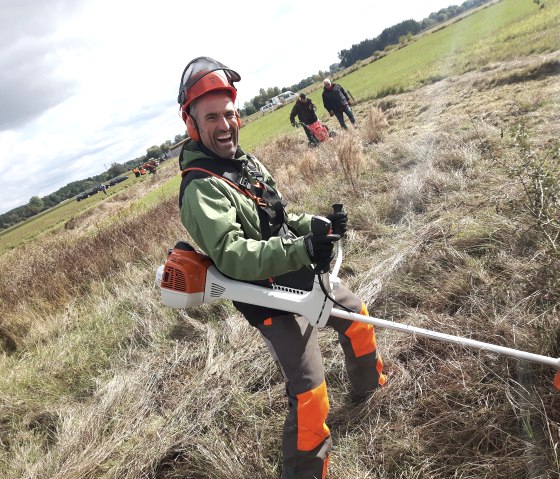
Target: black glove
320, 248
339, 222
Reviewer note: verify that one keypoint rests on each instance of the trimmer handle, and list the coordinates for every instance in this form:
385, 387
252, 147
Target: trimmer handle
320, 226
338, 208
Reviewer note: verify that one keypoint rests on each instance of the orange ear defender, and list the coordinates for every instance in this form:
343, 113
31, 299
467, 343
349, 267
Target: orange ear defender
192, 129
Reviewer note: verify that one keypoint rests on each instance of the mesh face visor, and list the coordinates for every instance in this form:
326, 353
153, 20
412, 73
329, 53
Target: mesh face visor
200, 67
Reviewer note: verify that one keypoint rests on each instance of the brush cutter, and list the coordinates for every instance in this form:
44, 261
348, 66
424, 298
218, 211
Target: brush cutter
189, 278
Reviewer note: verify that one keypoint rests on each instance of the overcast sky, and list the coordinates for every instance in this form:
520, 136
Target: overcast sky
87, 83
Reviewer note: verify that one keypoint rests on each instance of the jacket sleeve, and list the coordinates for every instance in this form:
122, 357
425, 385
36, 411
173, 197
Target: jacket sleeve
300, 223
213, 215
326, 103
343, 91
293, 114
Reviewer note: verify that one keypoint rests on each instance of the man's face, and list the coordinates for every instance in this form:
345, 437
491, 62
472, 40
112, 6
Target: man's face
217, 123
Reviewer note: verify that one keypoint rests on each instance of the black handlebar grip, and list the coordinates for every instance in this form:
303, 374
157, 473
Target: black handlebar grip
337, 207
320, 226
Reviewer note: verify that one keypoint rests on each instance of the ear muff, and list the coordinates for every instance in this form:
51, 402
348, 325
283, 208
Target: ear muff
192, 129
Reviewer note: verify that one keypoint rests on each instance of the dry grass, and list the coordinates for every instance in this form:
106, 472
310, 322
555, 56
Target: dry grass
99, 380
374, 126
350, 158
42, 277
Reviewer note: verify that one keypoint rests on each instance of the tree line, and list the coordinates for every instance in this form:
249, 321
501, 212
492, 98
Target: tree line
37, 204
399, 32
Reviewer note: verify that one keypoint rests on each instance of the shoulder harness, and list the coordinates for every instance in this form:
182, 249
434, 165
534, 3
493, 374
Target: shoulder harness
238, 174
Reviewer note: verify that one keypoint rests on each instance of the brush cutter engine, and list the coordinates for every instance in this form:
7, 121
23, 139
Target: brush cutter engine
189, 278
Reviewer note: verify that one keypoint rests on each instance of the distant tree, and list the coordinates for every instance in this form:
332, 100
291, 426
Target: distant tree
334, 67
153, 152
35, 205
116, 169
51, 200
179, 138
165, 147
248, 109
13, 219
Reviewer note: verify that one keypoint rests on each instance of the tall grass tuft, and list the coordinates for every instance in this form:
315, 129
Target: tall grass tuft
43, 277
374, 126
350, 157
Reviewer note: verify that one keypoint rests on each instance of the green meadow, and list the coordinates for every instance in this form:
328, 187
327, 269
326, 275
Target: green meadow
452, 50
53, 219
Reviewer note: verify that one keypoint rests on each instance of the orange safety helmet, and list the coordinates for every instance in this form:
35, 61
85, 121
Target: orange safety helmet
201, 75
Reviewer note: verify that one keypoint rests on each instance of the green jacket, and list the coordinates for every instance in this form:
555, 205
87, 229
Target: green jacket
225, 225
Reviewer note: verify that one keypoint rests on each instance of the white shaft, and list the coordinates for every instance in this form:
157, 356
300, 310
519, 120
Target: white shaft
426, 333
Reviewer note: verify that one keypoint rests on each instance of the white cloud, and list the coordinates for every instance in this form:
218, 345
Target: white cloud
92, 82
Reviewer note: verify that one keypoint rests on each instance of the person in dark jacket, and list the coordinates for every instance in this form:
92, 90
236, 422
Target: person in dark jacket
304, 109
247, 245
337, 102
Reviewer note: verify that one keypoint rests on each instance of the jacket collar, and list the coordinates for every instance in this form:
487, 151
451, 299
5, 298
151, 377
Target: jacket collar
210, 154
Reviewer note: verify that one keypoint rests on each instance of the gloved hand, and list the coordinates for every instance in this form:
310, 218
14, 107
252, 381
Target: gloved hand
339, 222
320, 248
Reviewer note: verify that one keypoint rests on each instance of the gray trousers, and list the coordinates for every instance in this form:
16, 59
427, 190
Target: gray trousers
306, 441
340, 116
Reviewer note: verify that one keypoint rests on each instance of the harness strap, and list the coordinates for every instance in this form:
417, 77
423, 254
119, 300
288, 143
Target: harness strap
270, 210
270, 207
259, 201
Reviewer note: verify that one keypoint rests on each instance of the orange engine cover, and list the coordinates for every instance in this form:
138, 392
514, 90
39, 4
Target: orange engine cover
185, 270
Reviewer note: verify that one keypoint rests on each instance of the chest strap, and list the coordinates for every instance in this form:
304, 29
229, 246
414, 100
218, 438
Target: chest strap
270, 207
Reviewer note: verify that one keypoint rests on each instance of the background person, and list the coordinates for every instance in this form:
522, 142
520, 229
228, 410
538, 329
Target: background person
337, 102
242, 225
305, 110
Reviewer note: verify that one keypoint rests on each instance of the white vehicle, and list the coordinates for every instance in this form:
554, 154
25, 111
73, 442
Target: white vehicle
278, 100
286, 97
269, 107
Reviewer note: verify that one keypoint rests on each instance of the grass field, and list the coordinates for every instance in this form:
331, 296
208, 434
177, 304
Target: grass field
98, 380
55, 218
450, 51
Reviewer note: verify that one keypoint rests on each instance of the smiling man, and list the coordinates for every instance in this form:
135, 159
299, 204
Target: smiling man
216, 120
232, 210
